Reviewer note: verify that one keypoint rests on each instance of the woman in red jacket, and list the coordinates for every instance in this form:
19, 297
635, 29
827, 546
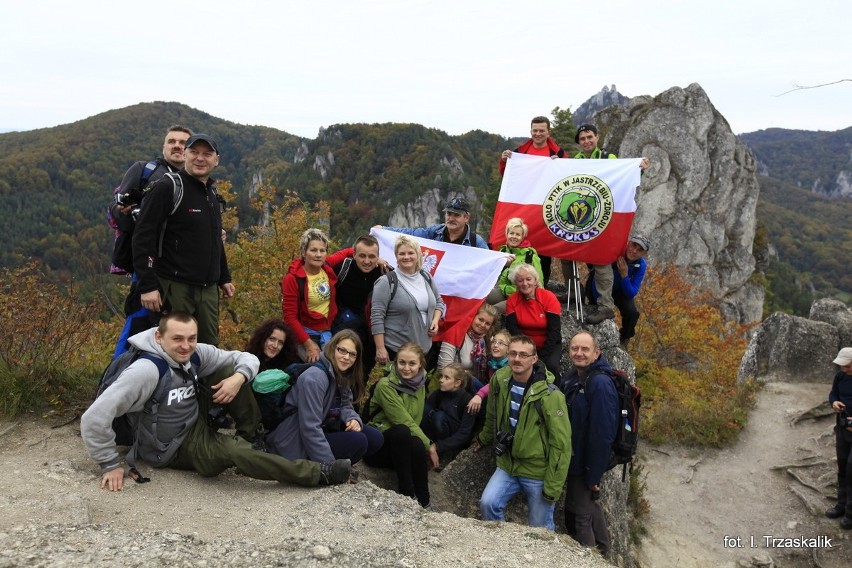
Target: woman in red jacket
307, 294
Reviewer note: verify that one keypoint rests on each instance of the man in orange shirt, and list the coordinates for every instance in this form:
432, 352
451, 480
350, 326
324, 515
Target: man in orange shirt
539, 144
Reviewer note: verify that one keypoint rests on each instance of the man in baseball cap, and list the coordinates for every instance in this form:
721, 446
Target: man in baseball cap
840, 398
454, 229
627, 274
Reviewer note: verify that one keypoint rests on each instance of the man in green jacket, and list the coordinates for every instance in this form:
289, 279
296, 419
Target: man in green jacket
587, 138
527, 419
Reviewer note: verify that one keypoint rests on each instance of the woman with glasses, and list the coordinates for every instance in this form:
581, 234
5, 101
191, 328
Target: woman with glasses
535, 312
499, 359
321, 424
396, 408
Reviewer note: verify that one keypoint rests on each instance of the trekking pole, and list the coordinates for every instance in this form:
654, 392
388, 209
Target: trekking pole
576, 290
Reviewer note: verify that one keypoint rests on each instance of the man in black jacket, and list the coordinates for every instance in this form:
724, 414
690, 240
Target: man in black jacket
179, 259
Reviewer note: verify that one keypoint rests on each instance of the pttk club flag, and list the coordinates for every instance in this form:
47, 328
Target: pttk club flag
575, 209
464, 275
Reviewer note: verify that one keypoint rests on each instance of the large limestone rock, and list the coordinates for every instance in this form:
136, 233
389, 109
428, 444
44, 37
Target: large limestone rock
790, 348
836, 313
697, 200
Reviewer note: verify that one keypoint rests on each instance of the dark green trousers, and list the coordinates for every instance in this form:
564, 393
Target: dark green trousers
210, 453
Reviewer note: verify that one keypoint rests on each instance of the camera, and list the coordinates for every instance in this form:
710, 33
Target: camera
217, 417
845, 419
503, 443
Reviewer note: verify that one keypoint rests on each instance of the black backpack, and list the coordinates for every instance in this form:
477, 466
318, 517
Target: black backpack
273, 405
122, 249
124, 434
627, 420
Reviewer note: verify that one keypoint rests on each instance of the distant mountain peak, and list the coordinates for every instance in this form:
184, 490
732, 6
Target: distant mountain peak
607, 96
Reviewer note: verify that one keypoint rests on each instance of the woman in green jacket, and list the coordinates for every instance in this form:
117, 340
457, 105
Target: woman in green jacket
518, 246
396, 408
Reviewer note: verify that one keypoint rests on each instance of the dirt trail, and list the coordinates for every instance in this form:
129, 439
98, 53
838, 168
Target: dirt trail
705, 503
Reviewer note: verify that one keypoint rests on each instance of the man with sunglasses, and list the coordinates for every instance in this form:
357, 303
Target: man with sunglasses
527, 420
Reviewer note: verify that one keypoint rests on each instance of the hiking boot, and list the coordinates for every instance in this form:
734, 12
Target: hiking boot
335, 473
846, 523
599, 315
836, 512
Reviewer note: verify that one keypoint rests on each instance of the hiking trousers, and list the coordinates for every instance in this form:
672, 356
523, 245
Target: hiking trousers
584, 517
210, 453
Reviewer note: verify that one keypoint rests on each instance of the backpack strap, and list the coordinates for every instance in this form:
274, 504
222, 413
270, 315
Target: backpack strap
177, 197
344, 269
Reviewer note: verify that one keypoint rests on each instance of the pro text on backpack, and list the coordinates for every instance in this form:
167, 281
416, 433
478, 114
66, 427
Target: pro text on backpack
124, 434
627, 420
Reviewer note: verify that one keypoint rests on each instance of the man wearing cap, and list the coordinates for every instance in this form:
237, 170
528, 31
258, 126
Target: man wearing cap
627, 274
587, 138
455, 228
539, 144
840, 398
179, 258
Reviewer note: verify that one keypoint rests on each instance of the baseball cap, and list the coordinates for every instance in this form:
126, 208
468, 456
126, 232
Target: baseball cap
202, 138
641, 241
844, 357
582, 128
457, 205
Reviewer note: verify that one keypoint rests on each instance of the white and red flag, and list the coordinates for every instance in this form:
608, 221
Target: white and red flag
463, 274
575, 209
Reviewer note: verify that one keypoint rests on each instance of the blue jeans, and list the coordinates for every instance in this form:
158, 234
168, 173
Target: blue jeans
502, 487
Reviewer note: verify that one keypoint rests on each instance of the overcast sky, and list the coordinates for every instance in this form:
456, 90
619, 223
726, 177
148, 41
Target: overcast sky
453, 65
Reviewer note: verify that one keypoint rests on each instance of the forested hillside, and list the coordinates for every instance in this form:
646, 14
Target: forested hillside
56, 182
811, 235
810, 160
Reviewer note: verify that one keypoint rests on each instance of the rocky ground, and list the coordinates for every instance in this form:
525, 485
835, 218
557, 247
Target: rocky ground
52, 513
772, 482
775, 481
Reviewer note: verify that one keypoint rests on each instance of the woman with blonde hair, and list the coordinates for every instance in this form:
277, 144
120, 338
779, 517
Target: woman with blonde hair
522, 252
406, 303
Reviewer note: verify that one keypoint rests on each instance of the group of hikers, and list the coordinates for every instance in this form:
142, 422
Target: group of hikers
297, 395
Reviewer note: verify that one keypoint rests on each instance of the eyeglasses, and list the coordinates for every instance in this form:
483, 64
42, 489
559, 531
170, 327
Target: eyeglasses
346, 353
500, 342
520, 355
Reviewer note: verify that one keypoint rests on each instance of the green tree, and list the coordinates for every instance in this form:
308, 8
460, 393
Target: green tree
562, 127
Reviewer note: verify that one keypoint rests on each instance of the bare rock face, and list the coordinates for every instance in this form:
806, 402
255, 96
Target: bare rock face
697, 199
792, 349
428, 208
837, 314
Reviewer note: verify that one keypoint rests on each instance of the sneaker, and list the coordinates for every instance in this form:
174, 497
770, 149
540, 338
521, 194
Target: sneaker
846, 523
602, 313
836, 512
431, 508
335, 473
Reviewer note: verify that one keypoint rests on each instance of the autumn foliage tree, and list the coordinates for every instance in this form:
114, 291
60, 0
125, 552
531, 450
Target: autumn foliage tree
260, 257
687, 356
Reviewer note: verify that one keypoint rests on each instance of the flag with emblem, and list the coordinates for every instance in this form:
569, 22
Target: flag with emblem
575, 209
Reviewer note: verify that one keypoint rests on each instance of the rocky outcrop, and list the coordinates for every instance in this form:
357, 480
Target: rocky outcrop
608, 96
697, 200
428, 208
794, 349
469, 473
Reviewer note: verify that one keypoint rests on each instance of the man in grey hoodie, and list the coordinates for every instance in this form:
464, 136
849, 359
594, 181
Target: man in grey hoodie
173, 436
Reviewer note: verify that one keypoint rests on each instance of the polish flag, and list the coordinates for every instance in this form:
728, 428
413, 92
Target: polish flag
575, 209
464, 275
